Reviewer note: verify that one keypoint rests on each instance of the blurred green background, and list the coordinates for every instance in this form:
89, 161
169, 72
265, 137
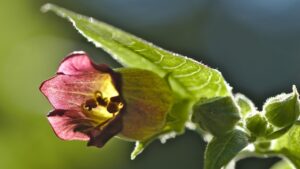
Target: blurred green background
256, 44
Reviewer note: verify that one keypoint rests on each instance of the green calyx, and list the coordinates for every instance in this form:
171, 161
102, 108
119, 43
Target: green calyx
148, 100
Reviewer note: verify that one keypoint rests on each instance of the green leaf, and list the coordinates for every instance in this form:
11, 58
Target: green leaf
187, 77
288, 145
283, 164
245, 104
217, 116
221, 150
282, 110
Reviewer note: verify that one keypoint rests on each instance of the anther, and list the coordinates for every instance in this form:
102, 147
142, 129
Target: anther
102, 101
113, 107
90, 104
116, 99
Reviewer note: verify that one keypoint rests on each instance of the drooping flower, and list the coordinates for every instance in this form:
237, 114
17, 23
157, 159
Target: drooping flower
94, 103
87, 100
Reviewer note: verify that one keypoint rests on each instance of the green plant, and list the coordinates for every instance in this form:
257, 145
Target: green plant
233, 127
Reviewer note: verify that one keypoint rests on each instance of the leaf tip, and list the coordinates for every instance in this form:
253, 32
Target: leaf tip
295, 90
45, 8
54, 8
139, 147
132, 156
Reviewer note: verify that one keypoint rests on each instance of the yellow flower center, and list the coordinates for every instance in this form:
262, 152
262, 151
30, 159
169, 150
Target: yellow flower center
101, 110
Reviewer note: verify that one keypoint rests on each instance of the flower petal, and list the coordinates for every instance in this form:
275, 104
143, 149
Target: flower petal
64, 124
98, 138
76, 63
77, 82
71, 92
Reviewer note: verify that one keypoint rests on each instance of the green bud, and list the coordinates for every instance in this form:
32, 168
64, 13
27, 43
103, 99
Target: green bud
256, 124
245, 104
262, 146
148, 99
217, 116
283, 110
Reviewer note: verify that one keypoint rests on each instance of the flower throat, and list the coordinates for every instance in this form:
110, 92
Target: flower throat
102, 109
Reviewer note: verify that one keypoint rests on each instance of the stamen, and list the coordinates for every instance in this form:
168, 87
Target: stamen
103, 123
95, 109
98, 94
102, 101
116, 99
113, 107
90, 104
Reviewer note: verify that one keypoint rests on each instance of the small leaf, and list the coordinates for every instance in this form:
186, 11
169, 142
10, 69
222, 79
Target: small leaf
139, 148
221, 150
288, 145
283, 164
217, 116
245, 104
141, 145
187, 77
277, 133
283, 110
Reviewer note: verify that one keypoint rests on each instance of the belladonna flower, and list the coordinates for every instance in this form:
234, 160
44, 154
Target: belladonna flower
94, 103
